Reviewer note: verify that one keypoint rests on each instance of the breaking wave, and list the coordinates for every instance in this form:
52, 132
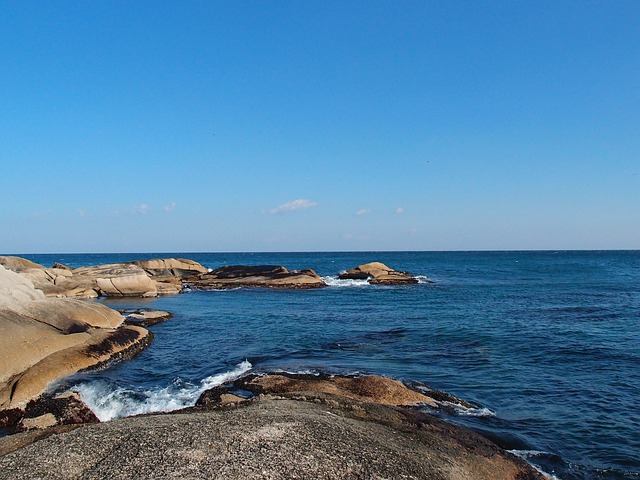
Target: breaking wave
334, 281
109, 403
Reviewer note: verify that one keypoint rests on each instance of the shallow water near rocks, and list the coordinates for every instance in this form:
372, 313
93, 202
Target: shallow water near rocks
545, 344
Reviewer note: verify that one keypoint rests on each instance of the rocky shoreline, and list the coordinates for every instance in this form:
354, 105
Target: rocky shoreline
268, 426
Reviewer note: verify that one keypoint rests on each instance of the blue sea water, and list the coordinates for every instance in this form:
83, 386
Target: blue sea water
545, 344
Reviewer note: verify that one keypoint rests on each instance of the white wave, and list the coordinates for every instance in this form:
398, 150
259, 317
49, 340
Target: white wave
527, 454
470, 411
108, 404
334, 281
423, 279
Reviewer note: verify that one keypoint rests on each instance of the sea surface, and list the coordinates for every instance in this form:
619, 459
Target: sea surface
545, 344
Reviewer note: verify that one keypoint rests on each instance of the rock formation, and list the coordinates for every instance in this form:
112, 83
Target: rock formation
377, 273
44, 339
145, 278
268, 276
326, 436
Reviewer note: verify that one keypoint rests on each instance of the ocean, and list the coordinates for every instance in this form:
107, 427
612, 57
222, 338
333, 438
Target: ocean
546, 345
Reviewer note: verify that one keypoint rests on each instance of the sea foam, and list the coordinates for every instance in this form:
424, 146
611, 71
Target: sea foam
334, 281
108, 403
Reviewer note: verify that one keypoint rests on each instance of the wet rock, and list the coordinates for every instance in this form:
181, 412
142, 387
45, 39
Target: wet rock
145, 317
47, 338
265, 276
47, 411
377, 273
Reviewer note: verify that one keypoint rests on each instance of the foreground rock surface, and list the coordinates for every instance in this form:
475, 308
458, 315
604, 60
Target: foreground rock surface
268, 276
377, 273
276, 438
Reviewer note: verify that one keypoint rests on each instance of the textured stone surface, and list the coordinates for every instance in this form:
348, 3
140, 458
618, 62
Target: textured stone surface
269, 276
44, 338
328, 437
378, 274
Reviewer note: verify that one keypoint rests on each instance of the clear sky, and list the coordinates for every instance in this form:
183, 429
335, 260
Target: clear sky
319, 125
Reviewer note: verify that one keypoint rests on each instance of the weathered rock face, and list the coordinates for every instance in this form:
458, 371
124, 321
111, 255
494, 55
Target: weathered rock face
328, 437
47, 411
257, 276
147, 278
144, 317
44, 339
378, 274
12, 263
171, 267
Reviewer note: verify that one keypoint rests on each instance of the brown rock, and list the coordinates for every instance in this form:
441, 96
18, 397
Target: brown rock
47, 411
15, 263
266, 276
144, 317
378, 274
47, 338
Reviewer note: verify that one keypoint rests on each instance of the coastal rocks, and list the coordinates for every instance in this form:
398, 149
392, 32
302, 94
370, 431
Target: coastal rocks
377, 273
47, 338
145, 317
144, 278
264, 276
330, 437
48, 411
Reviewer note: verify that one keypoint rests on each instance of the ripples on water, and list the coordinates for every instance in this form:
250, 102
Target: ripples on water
546, 344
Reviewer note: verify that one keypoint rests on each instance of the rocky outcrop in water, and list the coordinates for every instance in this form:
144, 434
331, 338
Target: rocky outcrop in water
276, 437
263, 276
377, 273
144, 278
44, 339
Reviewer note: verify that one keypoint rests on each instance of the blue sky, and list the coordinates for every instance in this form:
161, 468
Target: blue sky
301, 126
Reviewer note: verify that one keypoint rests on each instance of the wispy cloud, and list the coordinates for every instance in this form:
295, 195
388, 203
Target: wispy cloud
170, 208
399, 210
362, 211
299, 204
143, 208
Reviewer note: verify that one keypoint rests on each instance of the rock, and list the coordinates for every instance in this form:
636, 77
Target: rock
367, 388
378, 274
171, 267
335, 438
61, 266
268, 276
144, 317
47, 338
14, 263
47, 411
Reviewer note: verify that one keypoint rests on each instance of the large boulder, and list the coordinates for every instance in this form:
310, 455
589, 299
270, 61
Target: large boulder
171, 267
265, 276
14, 263
44, 339
377, 273
327, 437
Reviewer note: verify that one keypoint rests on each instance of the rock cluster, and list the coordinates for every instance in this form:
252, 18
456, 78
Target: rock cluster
293, 435
234, 276
147, 278
377, 273
44, 339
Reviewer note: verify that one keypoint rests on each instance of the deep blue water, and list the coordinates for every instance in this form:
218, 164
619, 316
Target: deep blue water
547, 344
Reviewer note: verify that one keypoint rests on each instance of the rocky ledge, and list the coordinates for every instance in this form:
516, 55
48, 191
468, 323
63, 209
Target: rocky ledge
264, 276
144, 278
377, 273
44, 339
300, 432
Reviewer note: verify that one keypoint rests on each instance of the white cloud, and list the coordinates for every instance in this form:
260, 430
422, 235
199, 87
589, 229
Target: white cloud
362, 211
170, 208
399, 210
143, 209
294, 205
